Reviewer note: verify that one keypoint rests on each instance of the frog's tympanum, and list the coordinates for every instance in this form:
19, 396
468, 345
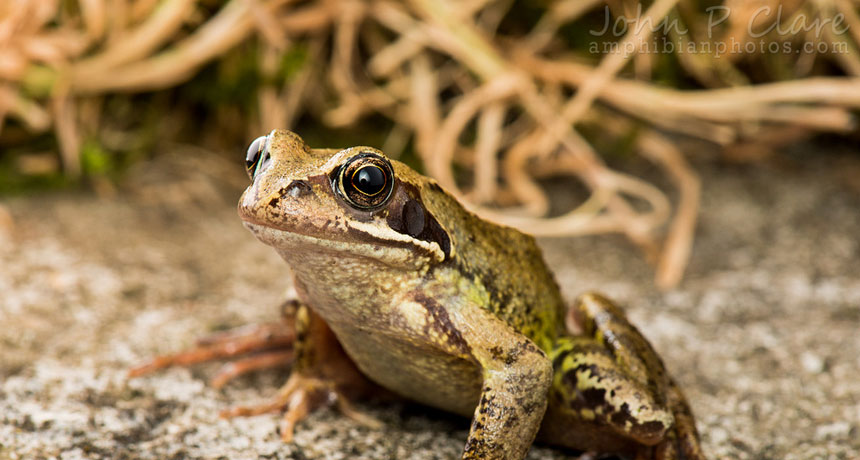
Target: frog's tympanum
399, 286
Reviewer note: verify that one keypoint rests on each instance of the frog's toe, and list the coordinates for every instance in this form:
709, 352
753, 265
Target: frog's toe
272, 343
297, 398
682, 443
679, 444
300, 396
313, 394
668, 449
250, 364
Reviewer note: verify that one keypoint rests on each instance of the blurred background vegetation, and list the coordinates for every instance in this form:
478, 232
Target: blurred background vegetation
495, 99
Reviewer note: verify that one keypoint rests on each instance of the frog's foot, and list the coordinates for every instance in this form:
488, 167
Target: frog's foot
682, 441
300, 396
322, 374
266, 345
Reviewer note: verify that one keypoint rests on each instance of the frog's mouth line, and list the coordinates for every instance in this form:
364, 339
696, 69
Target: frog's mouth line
271, 235
372, 247
276, 238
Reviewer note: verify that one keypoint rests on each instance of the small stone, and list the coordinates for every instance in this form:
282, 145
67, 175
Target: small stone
718, 435
811, 363
833, 430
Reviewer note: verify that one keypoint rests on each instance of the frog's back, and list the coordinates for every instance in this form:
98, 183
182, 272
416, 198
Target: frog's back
506, 267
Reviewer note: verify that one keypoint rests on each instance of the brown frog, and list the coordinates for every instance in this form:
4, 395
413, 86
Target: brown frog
399, 284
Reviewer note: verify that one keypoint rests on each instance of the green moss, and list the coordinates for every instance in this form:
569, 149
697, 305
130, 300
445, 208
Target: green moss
292, 62
39, 81
13, 183
95, 161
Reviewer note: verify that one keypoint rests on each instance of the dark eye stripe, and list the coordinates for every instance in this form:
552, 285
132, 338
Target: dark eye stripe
408, 215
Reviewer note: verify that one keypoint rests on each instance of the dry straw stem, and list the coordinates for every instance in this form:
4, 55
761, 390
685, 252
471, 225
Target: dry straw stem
505, 109
104, 72
503, 80
607, 210
710, 114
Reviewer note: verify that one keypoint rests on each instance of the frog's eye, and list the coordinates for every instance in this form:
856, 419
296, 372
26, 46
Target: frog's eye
365, 181
257, 156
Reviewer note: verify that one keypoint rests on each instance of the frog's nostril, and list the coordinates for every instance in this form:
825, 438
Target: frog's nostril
297, 188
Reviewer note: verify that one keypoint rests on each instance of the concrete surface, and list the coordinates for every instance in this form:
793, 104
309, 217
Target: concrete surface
764, 333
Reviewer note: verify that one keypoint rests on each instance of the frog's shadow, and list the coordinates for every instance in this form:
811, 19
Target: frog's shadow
413, 417
393, 411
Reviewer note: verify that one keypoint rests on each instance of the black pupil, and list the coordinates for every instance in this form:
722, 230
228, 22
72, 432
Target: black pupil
369, 180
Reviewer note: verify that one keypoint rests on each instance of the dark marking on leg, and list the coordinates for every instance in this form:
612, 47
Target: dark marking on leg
442, 323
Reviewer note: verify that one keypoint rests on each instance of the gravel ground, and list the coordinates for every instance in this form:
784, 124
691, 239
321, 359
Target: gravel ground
762, 334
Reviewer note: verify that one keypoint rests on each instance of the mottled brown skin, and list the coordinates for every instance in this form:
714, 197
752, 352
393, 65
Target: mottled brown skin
441, 307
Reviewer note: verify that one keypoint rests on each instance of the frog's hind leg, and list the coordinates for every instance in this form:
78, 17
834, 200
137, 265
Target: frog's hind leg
259, 346
595, 406
610, 375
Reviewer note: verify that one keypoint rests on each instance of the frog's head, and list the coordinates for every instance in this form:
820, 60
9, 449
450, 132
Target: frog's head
350, 202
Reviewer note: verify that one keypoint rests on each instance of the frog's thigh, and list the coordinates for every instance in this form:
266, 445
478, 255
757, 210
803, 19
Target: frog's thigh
606, 323
589, 388
517, 376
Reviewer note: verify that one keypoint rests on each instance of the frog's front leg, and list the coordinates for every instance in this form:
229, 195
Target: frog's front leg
611, 391
517, 376
321, 372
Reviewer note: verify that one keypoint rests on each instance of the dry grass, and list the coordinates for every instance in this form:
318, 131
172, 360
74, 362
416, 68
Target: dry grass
507, 108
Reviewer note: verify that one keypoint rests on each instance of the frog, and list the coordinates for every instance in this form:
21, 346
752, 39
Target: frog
399, 288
